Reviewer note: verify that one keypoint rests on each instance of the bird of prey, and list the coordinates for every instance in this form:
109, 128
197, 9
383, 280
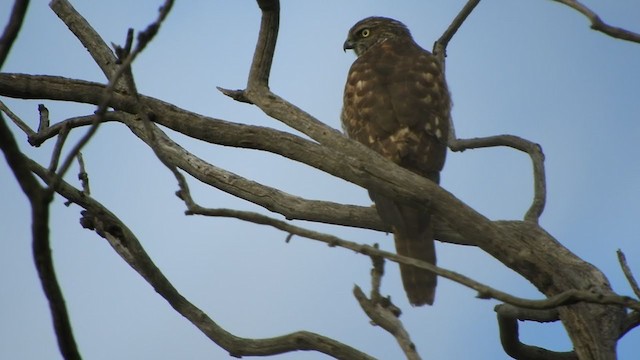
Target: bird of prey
396, 102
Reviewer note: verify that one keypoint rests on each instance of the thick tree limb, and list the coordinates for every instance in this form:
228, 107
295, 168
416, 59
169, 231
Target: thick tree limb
519, 246
220, 132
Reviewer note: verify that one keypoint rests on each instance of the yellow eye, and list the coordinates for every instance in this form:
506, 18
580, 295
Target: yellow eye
364, 33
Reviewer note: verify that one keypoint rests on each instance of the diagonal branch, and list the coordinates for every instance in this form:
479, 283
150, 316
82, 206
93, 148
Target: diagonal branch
98, 218
599, 25
122, 70
16, 119
628, 274
80, 27
440, 46
484, 291
12, 29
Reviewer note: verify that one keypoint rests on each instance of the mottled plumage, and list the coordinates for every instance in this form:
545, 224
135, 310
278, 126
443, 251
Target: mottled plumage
396, 102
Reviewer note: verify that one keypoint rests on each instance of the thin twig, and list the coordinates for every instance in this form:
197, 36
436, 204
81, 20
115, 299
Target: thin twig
440, 46
599, 25
382, 311
57, 149
386, 319
628, 274
83, 176
16, 120
484, 292
144, 38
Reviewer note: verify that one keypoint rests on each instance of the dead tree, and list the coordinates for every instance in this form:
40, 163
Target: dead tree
578, 294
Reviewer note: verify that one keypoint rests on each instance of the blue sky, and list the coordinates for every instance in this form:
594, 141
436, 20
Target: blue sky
528, 68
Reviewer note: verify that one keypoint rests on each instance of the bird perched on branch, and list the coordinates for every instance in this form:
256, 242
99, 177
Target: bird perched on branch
396, 102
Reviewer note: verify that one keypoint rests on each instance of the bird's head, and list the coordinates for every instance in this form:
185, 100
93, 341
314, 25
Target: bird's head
371, 31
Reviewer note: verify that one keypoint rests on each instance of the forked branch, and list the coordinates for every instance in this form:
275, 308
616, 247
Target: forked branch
106, 224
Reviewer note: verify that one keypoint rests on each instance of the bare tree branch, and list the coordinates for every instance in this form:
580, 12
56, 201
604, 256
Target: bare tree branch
221, 132
496, 240
599, 25
387, 320
628, 274
484, 291
440, 46
266, 45
12, 29
523, 246
39, 199
537, 158
98, 218
631, 322
99, 51
16, 119
508, 317
125, 67
382, 311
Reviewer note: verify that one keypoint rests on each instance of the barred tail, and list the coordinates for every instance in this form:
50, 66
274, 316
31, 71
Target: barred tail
419, 284
413, 234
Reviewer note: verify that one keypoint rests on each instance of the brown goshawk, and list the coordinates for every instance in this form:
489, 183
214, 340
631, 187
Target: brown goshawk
396, 102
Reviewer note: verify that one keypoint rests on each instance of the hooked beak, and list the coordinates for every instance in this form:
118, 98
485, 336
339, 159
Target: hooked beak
348, 45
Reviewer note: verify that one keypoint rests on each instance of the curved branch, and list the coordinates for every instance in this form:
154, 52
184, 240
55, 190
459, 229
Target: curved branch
599, 25
521, 250
220, 132
631, 322
40, 199
508, 317
537, 158
124, 242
